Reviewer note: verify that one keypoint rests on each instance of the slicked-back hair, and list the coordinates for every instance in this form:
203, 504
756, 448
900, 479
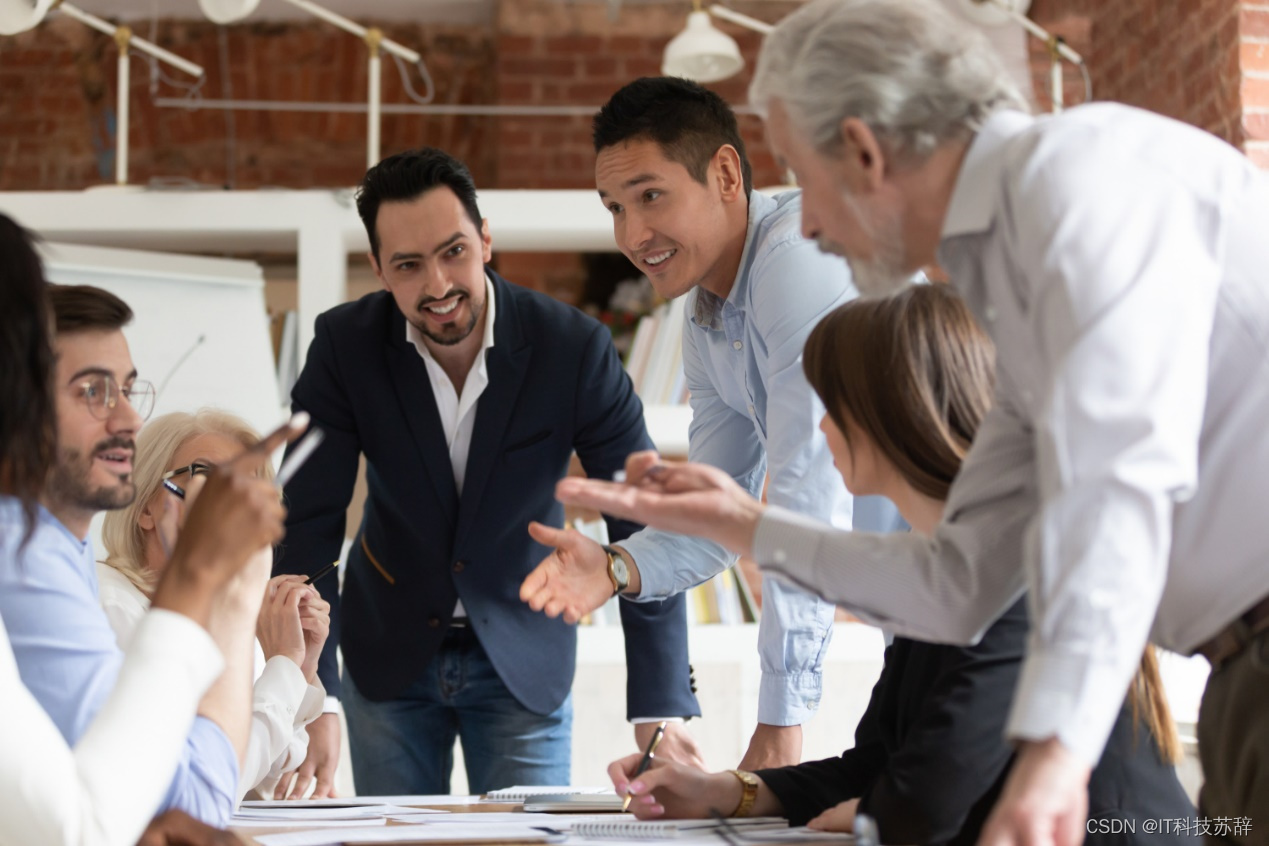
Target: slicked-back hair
409, 175
83, 308
686, 120
28, 421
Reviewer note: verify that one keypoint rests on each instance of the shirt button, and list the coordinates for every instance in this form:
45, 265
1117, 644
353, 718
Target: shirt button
779, 556
459, 566
989, 313
433, 621
736, 345
751, 408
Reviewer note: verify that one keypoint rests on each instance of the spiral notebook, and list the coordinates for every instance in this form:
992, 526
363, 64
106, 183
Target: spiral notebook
670, 829
521, 793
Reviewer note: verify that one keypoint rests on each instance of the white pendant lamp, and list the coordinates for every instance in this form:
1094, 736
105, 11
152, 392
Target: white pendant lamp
702, 52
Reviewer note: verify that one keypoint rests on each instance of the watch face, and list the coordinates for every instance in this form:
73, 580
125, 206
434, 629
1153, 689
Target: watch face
620, 570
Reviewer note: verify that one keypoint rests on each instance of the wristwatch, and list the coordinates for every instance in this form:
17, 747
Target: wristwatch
618, 572
749, 782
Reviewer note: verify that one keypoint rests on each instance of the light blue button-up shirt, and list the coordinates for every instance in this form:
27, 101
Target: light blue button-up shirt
755, 415
68, 657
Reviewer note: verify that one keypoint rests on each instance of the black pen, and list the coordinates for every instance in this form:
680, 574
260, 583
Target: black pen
322, 572
646, 762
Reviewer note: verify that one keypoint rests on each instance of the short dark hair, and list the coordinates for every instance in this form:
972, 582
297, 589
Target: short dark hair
83, 308
411, 174
688, 121
28, 420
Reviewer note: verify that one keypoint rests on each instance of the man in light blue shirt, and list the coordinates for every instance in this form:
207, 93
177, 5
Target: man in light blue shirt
671, 169
64, 645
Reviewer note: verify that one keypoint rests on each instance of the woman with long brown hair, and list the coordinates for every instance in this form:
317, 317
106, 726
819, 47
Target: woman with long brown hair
907, 381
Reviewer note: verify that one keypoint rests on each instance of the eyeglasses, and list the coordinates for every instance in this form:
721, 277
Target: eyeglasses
195, 469
102, 393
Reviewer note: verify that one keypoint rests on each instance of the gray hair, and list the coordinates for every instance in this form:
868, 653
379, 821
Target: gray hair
909, 69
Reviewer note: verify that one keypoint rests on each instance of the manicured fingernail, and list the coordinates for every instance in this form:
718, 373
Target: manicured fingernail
636, 787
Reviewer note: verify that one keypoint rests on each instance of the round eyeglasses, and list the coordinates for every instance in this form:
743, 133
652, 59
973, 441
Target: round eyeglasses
101, 393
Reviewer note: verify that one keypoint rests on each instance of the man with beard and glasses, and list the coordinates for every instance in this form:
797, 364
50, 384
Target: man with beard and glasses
466, 395
672, 171
65, 649
1118, 260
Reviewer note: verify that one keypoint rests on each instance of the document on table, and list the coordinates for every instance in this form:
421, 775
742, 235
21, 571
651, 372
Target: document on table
464, 835
353, 801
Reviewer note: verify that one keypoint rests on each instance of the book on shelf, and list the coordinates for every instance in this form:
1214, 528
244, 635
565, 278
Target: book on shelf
655, 362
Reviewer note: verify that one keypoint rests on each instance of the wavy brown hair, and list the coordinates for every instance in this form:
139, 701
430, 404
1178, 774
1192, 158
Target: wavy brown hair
28, 423
916, 373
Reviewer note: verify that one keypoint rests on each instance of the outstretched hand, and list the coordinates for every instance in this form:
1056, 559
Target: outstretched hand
677, 496
573, 580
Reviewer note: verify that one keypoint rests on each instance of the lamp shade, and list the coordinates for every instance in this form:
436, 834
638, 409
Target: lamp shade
227, 11
701, 52
20, 15
990, 13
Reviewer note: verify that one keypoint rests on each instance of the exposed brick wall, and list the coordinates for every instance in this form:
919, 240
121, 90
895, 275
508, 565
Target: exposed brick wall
1202, 61
57, 106
1180, 58
1254, 58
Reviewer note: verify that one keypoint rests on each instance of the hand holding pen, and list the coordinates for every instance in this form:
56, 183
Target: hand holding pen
646, 761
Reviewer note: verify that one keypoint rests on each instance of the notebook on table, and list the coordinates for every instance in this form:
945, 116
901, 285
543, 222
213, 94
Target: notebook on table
627, 829
522, 793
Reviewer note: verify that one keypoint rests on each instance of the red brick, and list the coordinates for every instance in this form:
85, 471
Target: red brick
1254, 23
1255, 92
1256, 126
1254, 56
554, 66
599, 66
573, 45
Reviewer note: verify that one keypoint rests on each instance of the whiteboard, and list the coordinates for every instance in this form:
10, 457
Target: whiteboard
178, 300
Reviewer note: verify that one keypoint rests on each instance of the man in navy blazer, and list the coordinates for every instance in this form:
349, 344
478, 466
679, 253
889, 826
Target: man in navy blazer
467, 395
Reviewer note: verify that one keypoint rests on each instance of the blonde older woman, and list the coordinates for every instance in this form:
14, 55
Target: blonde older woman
293, 620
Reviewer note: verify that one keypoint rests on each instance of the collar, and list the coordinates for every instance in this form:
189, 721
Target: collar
973, 204
415, 337
708, 308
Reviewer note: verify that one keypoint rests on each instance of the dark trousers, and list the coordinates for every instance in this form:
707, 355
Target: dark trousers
1233, 735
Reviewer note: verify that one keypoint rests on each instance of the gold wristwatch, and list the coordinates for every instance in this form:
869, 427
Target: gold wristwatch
618, 572
749, 782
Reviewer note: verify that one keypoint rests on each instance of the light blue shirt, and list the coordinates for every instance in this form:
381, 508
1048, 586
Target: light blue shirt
755, 415
69, 660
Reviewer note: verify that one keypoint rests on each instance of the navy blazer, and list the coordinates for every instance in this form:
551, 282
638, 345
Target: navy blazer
555, 385
930, 756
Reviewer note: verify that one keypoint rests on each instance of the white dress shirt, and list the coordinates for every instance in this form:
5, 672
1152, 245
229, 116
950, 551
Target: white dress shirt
1120, 260
105, 790
458, 413
283, 702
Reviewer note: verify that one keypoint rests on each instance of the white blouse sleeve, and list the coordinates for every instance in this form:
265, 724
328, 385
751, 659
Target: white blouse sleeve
282, 705
105, 790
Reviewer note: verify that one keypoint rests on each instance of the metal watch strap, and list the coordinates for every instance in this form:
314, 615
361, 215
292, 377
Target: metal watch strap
749, 794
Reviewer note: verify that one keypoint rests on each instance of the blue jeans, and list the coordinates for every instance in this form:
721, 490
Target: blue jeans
406, 746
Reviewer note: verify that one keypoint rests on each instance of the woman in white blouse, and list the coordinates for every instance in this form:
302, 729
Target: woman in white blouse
294, 620
49, 792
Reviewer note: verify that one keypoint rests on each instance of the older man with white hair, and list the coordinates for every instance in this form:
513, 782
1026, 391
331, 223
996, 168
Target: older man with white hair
1119, 260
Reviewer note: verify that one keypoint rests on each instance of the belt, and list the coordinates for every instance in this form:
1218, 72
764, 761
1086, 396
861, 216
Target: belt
1231, 640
